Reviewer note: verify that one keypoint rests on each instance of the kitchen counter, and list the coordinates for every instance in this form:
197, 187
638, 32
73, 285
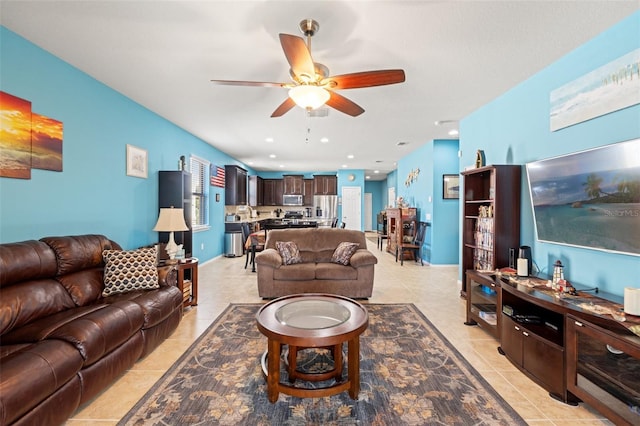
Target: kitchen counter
288, 223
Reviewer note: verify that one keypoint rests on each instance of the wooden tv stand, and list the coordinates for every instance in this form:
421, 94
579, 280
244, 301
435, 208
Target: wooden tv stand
570, 345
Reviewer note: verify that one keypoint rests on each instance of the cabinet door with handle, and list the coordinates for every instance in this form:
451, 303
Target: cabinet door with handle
511, 339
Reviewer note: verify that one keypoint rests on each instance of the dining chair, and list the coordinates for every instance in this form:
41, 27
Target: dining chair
250, 248
414, 246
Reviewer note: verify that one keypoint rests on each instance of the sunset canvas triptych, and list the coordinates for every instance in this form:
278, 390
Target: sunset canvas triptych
27, 140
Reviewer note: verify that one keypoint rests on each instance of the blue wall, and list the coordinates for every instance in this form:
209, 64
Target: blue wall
434, 159
93, 194
514, 129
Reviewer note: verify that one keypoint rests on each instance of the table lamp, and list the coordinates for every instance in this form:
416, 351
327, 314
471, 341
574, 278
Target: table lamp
170, 220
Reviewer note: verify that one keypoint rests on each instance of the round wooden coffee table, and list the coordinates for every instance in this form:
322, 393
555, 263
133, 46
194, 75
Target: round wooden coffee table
312, 321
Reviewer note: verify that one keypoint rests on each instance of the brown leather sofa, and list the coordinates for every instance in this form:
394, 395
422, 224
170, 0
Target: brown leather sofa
61, 341
316, 273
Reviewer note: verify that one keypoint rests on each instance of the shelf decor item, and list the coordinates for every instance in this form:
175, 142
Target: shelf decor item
136, 162
480, 159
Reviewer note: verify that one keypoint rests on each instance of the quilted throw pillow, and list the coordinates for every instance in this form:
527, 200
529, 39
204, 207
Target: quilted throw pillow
126, 271
343, 253
289, 252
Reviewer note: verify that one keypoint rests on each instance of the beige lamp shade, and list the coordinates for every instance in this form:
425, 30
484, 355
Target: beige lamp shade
171, 219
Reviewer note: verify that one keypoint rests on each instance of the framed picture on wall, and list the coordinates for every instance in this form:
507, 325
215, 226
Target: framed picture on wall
136, 162
450, 186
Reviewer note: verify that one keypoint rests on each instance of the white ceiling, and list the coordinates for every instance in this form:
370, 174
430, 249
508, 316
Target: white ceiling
457, 56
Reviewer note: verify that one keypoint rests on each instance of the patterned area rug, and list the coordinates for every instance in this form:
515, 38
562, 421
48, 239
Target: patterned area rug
410, 375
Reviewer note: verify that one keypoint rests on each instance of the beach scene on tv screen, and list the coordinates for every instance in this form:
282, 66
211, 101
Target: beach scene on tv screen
590, 198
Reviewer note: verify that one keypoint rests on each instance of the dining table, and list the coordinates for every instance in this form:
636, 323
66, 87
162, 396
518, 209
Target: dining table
259, 238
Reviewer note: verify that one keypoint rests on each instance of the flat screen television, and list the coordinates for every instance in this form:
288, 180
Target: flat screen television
590, 198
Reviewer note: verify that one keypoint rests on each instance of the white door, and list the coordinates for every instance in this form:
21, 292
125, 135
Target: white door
352, 207
391, 196
368, 211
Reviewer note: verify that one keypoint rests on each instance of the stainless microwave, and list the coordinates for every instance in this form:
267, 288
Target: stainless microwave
292, 200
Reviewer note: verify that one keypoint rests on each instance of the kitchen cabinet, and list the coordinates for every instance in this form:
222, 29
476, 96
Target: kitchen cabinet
256, 191
293, 184
273, 191
308, 192
603, 367
235, 193
174, 190
490, 217
325, 185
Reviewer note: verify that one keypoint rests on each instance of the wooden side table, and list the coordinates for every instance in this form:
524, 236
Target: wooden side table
191, 265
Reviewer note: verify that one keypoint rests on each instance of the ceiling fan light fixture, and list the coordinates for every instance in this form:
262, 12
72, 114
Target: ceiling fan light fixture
309, 97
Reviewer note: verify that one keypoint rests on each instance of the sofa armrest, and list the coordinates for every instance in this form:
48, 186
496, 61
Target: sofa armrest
269, 257
363, 257
167, 276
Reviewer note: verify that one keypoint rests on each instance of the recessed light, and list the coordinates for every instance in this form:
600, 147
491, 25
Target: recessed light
269, 140
367, 177
324, 140
453, 132
281, 166
350, 156
344, 166
272, 156
250, 163
376, 171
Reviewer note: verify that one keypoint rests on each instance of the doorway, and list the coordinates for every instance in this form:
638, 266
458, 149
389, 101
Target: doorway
352, 207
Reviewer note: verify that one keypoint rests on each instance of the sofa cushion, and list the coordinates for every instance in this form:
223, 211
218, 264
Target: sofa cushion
29, 301
85, 287
335, 271
296, 272
33, 373
343, 252
79, 252
289, 252
130, 270
157, 305
27, 260
96, 334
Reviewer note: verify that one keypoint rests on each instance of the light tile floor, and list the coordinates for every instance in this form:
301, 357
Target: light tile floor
433, 289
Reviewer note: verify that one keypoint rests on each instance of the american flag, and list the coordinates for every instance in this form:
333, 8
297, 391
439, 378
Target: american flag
216, 175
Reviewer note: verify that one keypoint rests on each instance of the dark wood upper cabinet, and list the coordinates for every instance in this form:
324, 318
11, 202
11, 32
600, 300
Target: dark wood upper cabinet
256, 191
293, 184
325, 185
273, 191
174, 190
308, 192
235, 186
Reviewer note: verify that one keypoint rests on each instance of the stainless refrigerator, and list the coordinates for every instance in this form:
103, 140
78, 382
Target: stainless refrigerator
325, 208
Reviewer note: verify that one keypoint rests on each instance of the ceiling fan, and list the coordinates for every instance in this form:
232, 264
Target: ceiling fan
311, 85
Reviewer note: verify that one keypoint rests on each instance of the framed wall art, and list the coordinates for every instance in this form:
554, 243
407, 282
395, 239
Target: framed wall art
450, 186
137, 162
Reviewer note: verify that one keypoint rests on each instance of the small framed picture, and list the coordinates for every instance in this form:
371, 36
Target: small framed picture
136, 162
450, 186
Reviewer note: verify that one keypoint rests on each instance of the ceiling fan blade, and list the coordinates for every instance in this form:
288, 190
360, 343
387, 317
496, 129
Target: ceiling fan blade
344, 105
365, 79
284, 108
298, 56
248, 83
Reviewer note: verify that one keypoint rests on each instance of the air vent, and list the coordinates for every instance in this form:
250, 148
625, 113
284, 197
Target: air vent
402, 143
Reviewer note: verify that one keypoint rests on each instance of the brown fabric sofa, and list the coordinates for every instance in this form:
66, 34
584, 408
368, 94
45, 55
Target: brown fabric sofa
61, 341
316, 273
